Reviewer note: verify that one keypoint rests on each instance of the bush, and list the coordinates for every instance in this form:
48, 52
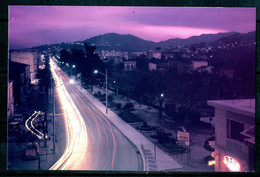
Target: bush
145, 127
118, 105
129, 106
173, 148
110, 98
129, 117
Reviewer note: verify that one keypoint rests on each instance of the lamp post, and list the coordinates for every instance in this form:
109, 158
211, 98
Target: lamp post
116, 87
73, 66
53, 116
96, 71
160, 106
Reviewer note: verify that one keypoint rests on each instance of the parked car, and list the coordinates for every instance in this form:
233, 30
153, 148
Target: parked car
31, 151
13, 127
18, 118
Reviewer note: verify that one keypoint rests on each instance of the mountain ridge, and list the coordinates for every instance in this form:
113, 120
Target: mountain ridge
129, 42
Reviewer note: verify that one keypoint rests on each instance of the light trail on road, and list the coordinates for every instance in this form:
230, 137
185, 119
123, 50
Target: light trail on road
100, 132
31, 128
102, 138
76, 132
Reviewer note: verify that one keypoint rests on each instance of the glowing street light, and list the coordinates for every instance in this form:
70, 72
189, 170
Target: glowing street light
73, 66
96, 71
71, 81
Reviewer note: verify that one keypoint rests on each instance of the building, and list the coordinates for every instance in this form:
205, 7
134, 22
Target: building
149, 54
118, 60
157, 55
28, 57
10, 108
159, 66
234, 135
197, 64
129, 65
20, 74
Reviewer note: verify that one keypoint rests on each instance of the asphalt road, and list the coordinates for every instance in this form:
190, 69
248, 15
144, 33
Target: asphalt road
106, 147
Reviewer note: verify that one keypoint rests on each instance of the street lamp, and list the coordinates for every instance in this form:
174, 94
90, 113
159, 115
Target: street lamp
160, 104
73, 66
71, 81
96, 71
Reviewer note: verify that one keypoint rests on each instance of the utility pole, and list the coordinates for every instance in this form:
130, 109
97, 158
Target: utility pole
106, 91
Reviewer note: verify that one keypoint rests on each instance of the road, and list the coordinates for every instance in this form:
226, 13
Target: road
93, 143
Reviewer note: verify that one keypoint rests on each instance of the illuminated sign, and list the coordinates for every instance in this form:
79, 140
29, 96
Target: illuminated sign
211, 162
231, 163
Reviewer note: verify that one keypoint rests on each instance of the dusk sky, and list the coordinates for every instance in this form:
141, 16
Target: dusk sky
36, 25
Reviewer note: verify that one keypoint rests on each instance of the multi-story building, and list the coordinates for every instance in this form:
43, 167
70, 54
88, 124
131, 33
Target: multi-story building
197, 64
10, 108
234, 134
157, 55
149, 54
129, 65
159, 66
20, 74
28, 57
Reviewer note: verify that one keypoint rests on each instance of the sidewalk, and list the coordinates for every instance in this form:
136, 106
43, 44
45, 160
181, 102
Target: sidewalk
147, 149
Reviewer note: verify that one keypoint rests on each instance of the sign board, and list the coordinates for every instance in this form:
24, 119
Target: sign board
183, 136
211, 162
231, 163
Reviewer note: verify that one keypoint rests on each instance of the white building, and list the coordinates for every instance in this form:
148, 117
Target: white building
234, 135
10, 108
157, 55
129, 65
29, 57
197, 64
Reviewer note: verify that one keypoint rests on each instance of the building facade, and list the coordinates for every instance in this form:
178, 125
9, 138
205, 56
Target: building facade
10, 108
197, 64
20, 74
129, 65
28, 57
234, 135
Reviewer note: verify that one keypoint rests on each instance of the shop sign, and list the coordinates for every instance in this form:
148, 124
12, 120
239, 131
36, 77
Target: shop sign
211, 162
231, 163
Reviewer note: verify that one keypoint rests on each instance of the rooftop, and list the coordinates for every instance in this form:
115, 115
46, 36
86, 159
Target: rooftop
243, 106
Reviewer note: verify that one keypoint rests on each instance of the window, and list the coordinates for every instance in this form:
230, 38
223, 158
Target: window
234, 129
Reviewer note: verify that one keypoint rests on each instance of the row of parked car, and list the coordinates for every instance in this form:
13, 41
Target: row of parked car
31, 150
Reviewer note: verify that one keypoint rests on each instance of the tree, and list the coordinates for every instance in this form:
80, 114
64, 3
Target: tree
92, 62
65, 56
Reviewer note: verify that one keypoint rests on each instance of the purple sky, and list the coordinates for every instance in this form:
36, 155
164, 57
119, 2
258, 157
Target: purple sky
36, 25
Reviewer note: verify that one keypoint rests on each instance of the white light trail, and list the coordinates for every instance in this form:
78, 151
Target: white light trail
76, 132
40, 135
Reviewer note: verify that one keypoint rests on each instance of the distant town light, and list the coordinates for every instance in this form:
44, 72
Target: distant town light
162, 95
73, 66
96, 71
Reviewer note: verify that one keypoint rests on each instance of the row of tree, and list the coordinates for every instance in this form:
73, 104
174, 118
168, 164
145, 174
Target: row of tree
189, 90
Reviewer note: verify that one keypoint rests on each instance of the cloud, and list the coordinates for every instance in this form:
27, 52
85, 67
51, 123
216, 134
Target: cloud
47, 24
